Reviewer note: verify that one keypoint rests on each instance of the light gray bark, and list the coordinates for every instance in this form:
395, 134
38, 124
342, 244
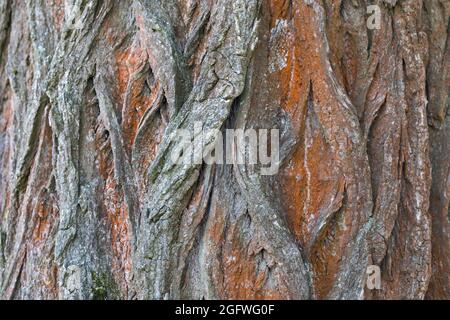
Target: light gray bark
91, 207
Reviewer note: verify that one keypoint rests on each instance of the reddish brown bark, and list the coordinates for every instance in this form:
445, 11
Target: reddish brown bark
91, 207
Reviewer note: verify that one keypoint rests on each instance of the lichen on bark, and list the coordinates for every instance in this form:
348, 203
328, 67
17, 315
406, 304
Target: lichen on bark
92, 93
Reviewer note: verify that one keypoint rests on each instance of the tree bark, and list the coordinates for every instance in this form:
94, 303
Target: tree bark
91, 207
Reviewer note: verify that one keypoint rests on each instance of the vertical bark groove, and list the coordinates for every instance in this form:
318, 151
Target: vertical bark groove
93, 94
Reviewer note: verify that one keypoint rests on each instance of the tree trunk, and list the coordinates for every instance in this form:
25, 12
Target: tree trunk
92, 207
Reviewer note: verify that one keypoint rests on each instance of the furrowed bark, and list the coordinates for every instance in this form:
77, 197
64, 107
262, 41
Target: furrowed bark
94, 93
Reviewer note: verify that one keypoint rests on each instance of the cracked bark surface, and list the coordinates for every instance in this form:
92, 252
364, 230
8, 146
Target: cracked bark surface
91, 207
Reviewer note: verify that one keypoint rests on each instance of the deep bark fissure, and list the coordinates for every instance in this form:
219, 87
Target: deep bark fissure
90, 105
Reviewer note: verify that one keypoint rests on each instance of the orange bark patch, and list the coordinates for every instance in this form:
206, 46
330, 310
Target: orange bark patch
47, 214
240, 271
312, 182
44, 207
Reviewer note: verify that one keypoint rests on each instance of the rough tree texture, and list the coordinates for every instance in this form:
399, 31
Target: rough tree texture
92, 208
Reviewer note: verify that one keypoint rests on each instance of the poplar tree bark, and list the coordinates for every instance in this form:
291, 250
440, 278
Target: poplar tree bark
91, 207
